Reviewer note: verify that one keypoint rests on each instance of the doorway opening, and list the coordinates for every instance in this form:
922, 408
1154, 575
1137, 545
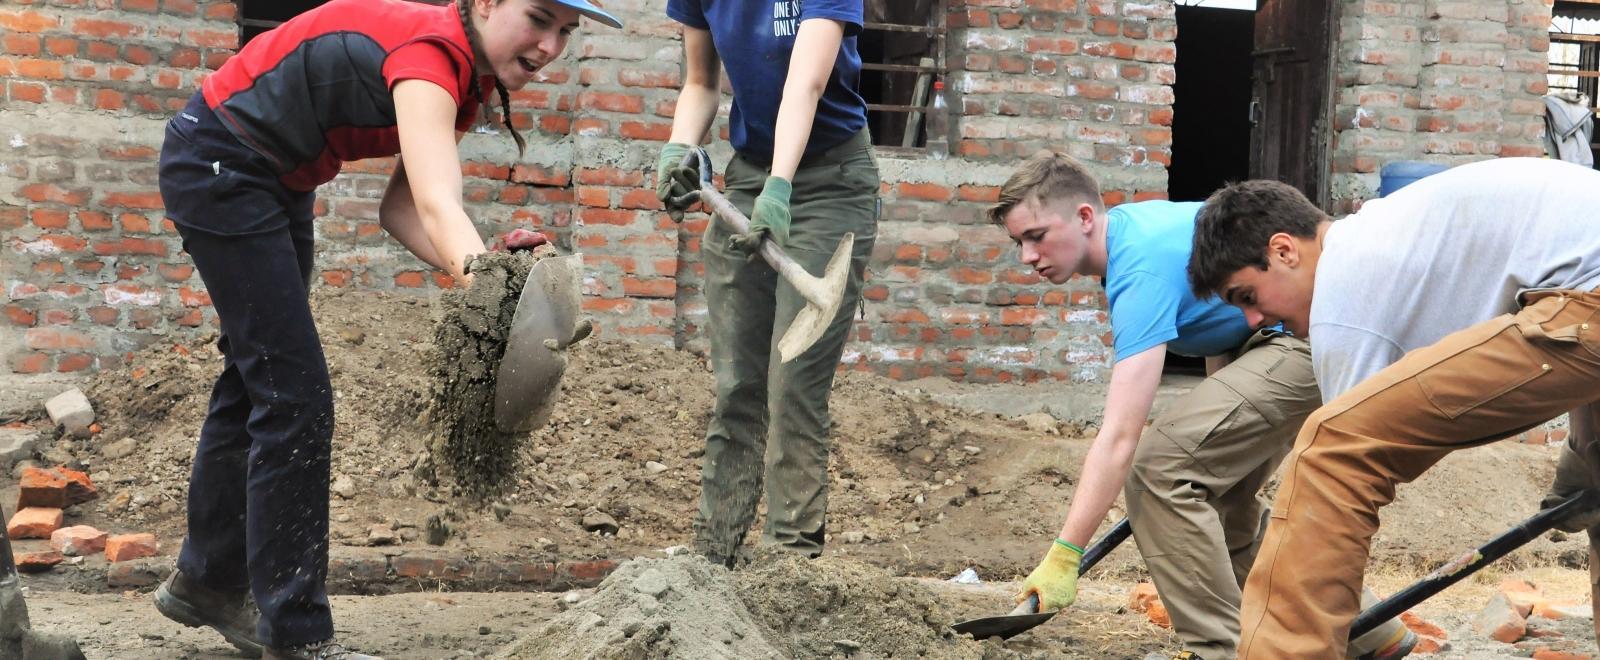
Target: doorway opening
1210, 111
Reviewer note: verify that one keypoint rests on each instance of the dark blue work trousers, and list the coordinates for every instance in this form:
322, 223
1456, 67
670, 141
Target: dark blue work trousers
258, 494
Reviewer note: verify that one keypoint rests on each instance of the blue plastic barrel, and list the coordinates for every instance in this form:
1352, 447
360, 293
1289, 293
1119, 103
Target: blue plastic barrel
1403, 173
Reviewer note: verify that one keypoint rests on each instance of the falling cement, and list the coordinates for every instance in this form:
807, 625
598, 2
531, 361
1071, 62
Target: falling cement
782, 606
470, 339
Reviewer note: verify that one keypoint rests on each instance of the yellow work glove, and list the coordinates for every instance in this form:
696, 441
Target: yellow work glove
1055, 581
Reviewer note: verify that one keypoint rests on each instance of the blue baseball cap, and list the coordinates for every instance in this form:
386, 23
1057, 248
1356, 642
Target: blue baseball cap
592, 10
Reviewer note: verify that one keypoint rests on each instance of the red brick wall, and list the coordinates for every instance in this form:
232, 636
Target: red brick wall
1447, 81
93, 272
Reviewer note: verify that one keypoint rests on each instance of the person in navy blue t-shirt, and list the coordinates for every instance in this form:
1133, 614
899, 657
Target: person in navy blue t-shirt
804, 172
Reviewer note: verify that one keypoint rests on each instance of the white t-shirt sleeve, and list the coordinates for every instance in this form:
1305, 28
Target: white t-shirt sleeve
1342, 356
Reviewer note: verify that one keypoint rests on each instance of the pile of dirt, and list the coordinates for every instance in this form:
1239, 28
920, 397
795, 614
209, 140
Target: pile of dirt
917, 487
684, 607
782, 606
469, 343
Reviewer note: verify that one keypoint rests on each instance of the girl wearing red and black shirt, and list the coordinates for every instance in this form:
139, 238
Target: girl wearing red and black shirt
348, 80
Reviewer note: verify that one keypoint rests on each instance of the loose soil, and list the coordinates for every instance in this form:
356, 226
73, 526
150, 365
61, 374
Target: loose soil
469, 342
918, 488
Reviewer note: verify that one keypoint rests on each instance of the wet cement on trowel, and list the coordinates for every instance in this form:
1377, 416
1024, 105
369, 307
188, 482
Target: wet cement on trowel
781, 606
470, 340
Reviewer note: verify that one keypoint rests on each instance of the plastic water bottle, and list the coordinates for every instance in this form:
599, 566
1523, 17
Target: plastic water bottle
937, 122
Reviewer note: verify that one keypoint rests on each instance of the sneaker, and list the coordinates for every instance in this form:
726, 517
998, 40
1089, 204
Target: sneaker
1399, 649
192, 604
324, 650
1181, 655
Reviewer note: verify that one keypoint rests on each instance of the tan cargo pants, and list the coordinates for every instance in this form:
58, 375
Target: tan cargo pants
1494, 379
1194, 494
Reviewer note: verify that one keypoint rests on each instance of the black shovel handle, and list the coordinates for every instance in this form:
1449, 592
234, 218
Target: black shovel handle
1114, 537
1469, 563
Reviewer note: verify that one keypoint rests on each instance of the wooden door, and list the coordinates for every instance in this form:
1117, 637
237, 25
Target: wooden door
1291, 95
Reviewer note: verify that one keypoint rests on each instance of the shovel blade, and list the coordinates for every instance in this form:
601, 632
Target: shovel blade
529, 378
1020, 620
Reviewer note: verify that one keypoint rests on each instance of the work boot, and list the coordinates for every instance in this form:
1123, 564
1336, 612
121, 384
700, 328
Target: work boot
1399, 649
193, 604
323, 650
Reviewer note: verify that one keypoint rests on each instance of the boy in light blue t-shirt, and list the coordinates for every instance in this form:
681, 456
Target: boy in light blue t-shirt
1192, 480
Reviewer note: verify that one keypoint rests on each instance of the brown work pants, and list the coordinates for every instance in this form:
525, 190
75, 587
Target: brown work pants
1194, 493
1475, 386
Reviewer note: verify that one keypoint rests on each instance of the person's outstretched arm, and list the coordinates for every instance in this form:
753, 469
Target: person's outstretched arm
1105, 469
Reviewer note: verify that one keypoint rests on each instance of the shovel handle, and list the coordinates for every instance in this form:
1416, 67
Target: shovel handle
1114, 537
724, 209
1469, 563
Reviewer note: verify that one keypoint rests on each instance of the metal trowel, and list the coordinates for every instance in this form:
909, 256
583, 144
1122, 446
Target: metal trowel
1027, 614
546, 322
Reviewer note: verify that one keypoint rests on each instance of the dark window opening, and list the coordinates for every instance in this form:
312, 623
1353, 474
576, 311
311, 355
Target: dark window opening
1211, 101
902, 57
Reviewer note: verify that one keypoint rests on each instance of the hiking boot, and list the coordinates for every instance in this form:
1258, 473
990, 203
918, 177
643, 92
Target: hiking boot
1399, 649
324, 650
193, 604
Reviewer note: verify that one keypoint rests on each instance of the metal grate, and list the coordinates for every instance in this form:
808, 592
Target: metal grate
898, 92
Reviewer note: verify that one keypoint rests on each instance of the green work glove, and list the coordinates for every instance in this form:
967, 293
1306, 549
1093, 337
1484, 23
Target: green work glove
770, 219
1055, 581
677, 187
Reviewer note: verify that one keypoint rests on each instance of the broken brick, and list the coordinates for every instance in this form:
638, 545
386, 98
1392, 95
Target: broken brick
1522, 594
1500, 621
56, 488
1556, 610
78, 540
1143, 594
124, 547
37, 562
1158, 615
1422, 626
34, 523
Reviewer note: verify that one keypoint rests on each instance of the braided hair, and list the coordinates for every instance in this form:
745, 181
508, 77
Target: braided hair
499, 87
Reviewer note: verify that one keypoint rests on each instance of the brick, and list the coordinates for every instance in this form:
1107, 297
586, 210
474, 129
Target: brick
586, 572
56, 339
418, 567
137, 574
1557, 610
1157, 612
125, 547
1521, 594
44, 192
1143, 594
1500, 621
34, 522
78, 541
37, 562
143, 200
70, 409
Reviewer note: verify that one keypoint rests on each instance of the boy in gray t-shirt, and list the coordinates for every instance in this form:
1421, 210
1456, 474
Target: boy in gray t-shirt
1457, 311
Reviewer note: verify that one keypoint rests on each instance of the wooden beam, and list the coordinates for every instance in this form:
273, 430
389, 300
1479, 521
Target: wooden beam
1575, 38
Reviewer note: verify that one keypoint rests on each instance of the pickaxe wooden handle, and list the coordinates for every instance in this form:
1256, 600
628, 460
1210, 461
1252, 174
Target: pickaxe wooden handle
823, 294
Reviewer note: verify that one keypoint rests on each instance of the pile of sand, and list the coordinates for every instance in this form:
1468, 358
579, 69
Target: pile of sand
782, 606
